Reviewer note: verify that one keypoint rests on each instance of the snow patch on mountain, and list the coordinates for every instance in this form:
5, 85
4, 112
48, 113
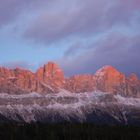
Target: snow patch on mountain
66, 99
28, 95
29, 107
128, 100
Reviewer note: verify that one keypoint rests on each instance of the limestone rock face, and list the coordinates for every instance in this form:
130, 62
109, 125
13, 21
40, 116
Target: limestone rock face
40, 74
108, 79
4, 73
16, 81
47, 79
24, 79
133, 78
80, 83
50, 79
51, 74
132, 86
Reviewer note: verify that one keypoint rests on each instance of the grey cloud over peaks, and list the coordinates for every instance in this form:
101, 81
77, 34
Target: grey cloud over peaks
80, 18
120, 51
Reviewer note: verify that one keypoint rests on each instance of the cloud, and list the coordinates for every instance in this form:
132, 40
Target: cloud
116, 49
11, 10
74, 49
54, 20
80, 18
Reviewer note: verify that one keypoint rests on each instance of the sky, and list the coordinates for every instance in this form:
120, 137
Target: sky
79, 35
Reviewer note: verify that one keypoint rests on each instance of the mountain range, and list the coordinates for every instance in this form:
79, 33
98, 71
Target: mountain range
50, 79
106, 97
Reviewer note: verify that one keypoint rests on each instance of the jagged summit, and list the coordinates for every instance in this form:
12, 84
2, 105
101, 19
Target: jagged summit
51, 74
105, 69
50, 79
133, 77
108, 67
109, 79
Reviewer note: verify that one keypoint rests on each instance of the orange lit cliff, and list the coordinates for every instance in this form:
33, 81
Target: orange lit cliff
50, 79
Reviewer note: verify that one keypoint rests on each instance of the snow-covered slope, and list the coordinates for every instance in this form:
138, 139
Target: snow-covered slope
97, 107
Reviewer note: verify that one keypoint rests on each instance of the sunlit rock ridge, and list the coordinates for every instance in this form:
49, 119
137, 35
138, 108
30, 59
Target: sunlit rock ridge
50, 79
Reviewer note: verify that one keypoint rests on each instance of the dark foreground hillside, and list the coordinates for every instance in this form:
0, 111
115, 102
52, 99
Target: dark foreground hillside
68, 132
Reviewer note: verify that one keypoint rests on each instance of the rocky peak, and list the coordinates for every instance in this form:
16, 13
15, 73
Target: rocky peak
106, 69
51, 74
133, 77
24, 79
108, 79
50, 78
132, 86
40, 74
16, 81
4, 72
51, 70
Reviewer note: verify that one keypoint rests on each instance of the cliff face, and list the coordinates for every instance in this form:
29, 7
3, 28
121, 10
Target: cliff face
51, 74
132, 87
50, 79
16, 81
80, 83
47, 79
108, 79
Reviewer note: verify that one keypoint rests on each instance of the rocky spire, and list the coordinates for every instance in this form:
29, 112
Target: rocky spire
51, 74
133, 77
108, 79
